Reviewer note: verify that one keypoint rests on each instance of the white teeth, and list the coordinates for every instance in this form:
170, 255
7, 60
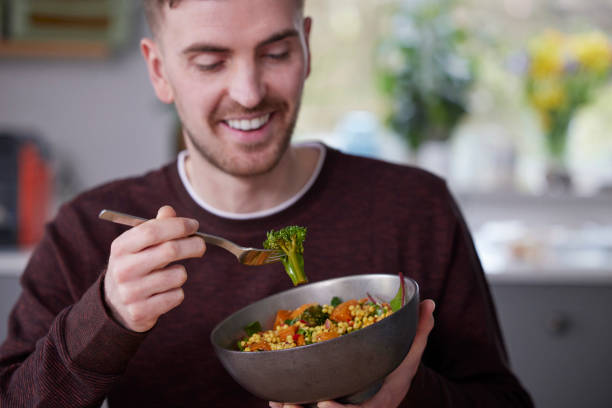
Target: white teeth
248, 124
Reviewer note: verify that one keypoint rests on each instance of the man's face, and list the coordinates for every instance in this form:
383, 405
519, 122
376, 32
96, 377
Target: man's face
235, 70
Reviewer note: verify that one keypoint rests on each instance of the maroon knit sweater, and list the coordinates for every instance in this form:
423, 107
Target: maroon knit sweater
363, 216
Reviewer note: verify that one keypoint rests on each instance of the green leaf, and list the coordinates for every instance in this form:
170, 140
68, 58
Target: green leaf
253, 328
398, 301
335, 301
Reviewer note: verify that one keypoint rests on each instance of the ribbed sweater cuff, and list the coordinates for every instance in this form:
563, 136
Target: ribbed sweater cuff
96, 342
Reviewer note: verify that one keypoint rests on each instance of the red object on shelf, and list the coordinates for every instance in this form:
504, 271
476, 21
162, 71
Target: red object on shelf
33, 194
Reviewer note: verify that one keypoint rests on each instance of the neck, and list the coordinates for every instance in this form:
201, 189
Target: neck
255, 193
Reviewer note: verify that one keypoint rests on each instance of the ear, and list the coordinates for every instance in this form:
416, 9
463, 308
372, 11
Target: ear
152, 56
307, 27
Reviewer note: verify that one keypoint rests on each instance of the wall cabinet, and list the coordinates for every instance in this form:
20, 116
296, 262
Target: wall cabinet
559, 337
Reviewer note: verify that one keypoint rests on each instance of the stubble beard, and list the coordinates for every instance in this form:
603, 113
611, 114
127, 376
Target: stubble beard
223, 160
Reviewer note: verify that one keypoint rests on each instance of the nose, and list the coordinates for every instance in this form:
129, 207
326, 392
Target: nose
246, 85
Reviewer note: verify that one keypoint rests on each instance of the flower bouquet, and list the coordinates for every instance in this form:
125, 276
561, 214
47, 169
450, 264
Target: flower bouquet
563, 73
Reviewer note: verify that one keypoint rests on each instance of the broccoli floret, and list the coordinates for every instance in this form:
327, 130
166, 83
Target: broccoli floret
290, 240
314, 316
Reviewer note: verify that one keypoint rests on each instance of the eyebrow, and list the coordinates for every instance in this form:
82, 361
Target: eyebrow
290, 32
216, 49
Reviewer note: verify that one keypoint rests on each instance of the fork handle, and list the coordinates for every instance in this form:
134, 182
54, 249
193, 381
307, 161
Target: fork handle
132, 220
121, 218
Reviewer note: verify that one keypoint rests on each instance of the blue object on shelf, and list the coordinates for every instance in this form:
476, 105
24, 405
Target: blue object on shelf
358, 131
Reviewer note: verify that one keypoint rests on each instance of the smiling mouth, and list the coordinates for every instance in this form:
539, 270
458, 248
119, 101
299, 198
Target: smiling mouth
246, 125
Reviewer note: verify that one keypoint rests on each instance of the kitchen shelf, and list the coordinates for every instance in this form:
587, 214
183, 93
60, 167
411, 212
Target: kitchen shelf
54, 49
13, 261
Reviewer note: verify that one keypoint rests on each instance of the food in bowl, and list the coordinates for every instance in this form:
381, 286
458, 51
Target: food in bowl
328, 370
314, 323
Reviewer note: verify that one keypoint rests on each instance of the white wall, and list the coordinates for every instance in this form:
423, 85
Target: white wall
100, 117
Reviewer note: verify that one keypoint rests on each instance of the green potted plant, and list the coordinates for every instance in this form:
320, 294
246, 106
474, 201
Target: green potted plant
423, 72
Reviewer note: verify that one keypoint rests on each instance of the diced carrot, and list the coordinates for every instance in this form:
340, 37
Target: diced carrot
341, 313
281, 316
289, 331
300, 340
326, 336
260, 345
300, 310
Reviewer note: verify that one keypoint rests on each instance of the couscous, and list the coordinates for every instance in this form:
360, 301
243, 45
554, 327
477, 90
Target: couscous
312, 323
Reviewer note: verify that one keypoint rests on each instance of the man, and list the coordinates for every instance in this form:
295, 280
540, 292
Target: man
126, 314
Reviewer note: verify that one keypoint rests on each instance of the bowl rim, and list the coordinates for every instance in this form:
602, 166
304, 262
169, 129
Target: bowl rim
415, 294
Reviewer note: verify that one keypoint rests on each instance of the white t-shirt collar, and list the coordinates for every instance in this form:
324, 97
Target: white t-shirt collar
257, 214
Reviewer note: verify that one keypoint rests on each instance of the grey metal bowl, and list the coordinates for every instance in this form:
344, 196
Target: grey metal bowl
349, 368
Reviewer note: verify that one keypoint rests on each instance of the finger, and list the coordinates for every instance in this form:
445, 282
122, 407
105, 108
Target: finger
165, 301
159, 256
165, 212
424, 327
153, 232
334, 404
159, 281
145, 313
274, 404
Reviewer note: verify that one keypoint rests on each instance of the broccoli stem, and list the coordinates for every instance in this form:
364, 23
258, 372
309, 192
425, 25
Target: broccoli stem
294, 266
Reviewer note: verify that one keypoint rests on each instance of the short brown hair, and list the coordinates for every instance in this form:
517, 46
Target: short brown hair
153, 8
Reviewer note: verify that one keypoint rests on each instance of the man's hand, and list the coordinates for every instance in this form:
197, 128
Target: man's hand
397, 384
139, 286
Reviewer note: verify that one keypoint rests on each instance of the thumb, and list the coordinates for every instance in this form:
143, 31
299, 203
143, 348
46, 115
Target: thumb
424, 327
165, 212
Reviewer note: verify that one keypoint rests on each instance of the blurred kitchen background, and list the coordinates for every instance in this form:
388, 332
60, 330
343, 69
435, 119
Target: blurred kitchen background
509, 100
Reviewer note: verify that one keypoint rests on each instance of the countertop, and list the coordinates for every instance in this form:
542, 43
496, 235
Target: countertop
13, 262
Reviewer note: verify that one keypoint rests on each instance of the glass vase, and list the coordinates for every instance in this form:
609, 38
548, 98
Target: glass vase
558, 175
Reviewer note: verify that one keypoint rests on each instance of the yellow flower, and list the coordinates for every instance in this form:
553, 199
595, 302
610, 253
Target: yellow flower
546, 52
564, 72
548, 94
592, 50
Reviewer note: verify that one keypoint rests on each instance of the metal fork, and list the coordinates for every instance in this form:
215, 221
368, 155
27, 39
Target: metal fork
247, 256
